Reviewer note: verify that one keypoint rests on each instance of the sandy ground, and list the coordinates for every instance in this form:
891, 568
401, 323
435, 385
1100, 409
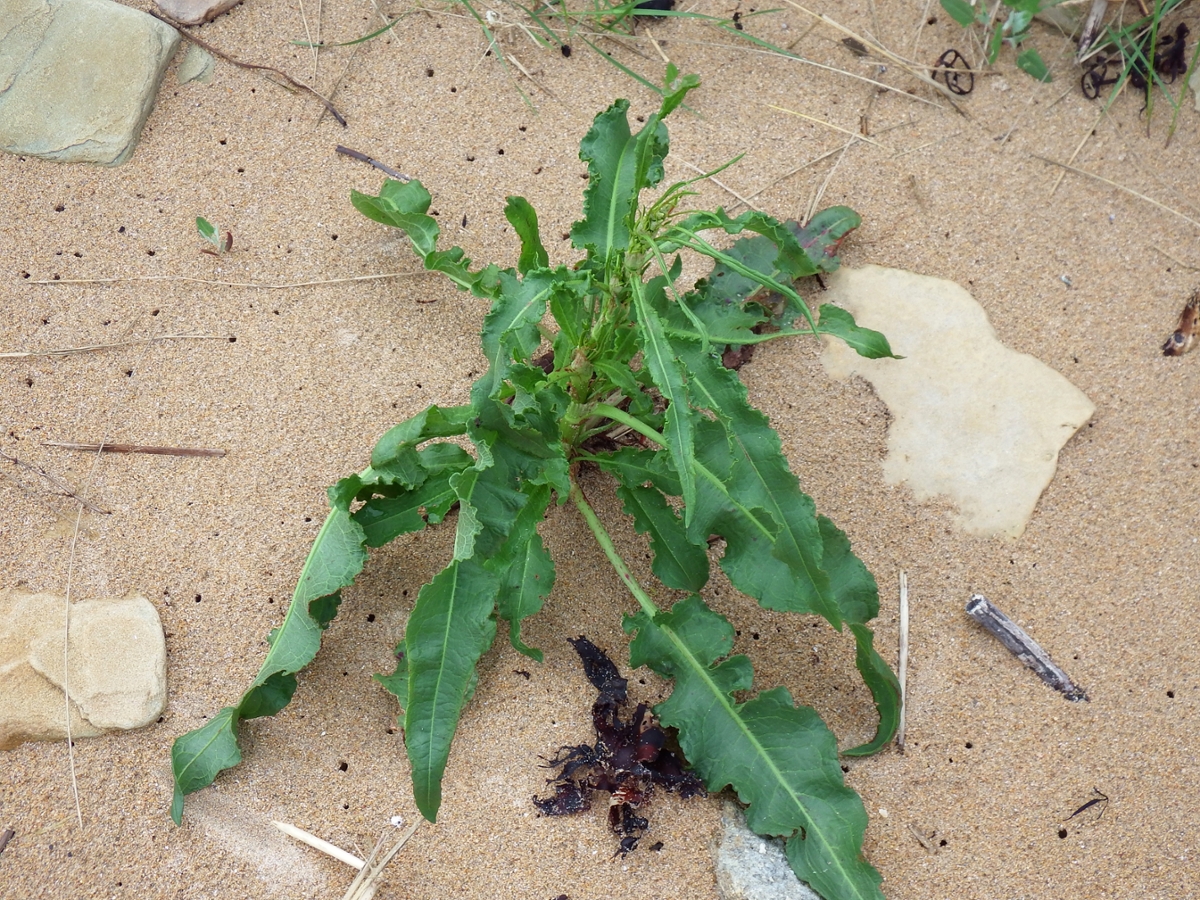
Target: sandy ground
1103, 577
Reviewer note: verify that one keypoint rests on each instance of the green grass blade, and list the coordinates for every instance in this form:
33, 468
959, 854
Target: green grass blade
780, 758
668, 377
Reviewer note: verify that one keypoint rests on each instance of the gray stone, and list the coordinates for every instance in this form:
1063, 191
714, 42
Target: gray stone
78, 77
972, 420
198, 65
193, 12
753, 868
117, 659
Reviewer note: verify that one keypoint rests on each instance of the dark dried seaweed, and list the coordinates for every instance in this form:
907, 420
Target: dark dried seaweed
628, 759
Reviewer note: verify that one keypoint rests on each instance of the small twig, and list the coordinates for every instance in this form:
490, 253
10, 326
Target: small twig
316, 843
1119, 187
67, 351
5, 837
1021, 645
134, 448
57, 482
288, 285
902, 667
362, 157
204, 45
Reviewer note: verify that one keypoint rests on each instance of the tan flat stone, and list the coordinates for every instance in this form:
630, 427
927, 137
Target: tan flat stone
117, 662
973, 420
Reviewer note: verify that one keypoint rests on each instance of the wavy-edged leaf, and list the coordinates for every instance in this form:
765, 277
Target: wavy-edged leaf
402, 205
678, 563
432, 422
199, 756
612, 190
510, 329
449, 629
336, 558
521, 216
780, 758
525, 570
750, 496
401, 511
865, 342
632, 466
668, 377
822, 236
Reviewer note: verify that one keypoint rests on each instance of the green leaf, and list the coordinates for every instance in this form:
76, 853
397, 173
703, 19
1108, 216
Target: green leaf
1030, 62
608, 201
995, 40
858, 599
781, 759
865, 342
207, 230
667, 373
525, 570
523, 219
960, 11
336, 558
510, 329
387, 517
678, 563
449, 629
199, 756
432, 422
403, 205
822, 237
747, 494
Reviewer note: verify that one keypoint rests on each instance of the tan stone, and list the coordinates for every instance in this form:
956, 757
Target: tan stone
117, 662
973, 420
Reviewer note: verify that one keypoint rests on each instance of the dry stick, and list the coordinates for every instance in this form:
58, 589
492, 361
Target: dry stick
238, 284
902, 674
57, 482
1022, 646
67, 351
1119, 187
5, 837
362, 157
318, 844
909, 67
204, 45
105, 447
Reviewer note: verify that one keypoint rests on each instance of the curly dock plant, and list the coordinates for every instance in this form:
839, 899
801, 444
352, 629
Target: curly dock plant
631, 354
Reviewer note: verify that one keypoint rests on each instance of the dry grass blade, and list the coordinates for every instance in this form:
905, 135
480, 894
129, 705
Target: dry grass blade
822, 122
875, 47
67, 490
135, 448
367, 881
1119, 187
91, 348
259, 285
722, 185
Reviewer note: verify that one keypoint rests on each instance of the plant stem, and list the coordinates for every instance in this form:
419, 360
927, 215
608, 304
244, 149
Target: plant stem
606, 544
619, 415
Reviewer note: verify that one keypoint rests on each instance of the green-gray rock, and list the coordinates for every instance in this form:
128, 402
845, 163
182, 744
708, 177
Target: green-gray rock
78, 77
